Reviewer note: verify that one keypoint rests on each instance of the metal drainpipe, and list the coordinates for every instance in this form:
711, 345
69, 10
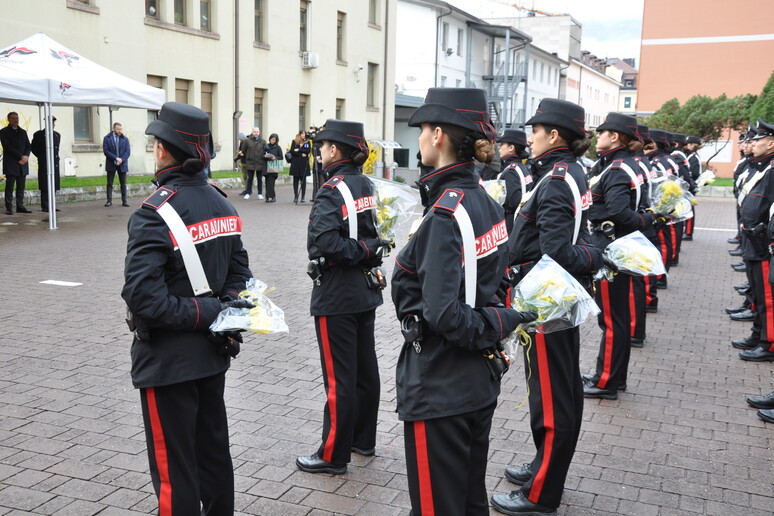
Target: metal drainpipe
437, 36
235, 122
385, 172
505, 79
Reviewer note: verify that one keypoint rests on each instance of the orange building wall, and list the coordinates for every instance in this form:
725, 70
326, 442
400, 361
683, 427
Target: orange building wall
683, 70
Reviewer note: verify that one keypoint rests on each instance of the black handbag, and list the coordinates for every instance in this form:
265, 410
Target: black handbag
288, 156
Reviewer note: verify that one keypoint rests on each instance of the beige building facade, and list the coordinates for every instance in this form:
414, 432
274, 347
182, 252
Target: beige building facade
280, 65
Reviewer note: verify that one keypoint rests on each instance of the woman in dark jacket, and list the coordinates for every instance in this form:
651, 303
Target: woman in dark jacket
446, 391
273, 155
299, 164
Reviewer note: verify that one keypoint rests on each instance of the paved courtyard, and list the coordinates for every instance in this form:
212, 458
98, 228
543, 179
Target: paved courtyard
680, 441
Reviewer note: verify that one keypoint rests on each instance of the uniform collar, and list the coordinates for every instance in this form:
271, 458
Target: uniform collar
462, 174
607, 157
763, 161
551, 157
508, 159
344, 166
174, 175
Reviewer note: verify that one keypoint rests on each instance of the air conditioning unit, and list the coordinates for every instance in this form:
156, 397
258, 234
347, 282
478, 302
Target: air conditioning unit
310, 60
69, 167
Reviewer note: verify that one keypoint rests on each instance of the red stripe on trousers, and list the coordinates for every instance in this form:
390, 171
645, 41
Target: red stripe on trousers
664, 248
689, 226
608, 343
632, 308
674, 241
423, 470
648, 296
331, 376
160, 453
767, 296
548, 417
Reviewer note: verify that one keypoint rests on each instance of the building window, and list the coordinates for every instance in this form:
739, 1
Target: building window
629, 83
373, 69
204, 15
443, 81
341, 19
208, 98
340, 109
373, 12
498, 56
260, 96
182, 87
627, 102
152, 8
304, 26
259, 21
460, 38
542, 72
180, 12
157, 82
82, 124
303, 105
457, 83
445, 37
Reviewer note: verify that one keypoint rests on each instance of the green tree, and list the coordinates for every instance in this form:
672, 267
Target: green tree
667, 117
764, 104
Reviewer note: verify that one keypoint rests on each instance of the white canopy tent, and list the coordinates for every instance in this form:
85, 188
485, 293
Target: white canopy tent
38, 70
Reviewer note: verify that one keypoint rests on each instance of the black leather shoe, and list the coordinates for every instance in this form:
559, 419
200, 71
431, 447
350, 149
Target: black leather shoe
108, 204
314, 464
687, 238
518, 475
739, 267
747, 315
674, 263
662, 284
9, 212
757, 354
762, 402
734, 240
22, 209
636, 343
736, 252
125, 204
516, 504
592, 391
365, 452
766, 415
742, 286
651, 309
589, 378
747, 343
735, 309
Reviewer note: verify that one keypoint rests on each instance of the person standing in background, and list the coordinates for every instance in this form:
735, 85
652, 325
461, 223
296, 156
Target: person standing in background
16, 154
38, 147
252, 148
299, 165
115, 146
273, 155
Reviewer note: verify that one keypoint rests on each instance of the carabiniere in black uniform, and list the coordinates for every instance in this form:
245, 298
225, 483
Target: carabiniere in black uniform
344, 302
177, 364
518, 179
545, 225
446, 392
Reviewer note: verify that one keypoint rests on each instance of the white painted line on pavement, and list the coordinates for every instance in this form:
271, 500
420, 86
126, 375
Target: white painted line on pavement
716, 229
61, 283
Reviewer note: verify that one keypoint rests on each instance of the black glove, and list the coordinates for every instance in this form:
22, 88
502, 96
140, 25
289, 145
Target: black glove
378, 248
501, 322
236, 303
501, 296
227, 342
648, 218
607, 262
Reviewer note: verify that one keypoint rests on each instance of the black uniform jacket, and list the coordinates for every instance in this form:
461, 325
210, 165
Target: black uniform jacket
755, 207
449, 376
546, 222
518, 181
682, 170
343, 287
613, 196
157, 289
647, 171
739, 170
694, 165
38, 148
15, 144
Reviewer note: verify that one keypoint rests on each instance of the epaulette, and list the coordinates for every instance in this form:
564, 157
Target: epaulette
616, 163
221, 192
559, 171
448, 202
333, 182
157, 199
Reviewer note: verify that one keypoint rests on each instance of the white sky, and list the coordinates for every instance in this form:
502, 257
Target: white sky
611, 28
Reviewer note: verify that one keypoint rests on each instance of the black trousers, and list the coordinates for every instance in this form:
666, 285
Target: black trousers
43, 186
637, 300
615, 321
446, 464
258, 174
555, 409
111, 174
677, 240
351, 377
271, 178
187, 436
299, 183
763, 296
20, 182
665, 248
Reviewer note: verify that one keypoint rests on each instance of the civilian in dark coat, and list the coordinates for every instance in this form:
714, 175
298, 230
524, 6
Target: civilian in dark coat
115, 146
16, 154
253, 150
299, 164
273, 155
38, 147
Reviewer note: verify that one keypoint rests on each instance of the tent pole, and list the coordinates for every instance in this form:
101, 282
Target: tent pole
50, 169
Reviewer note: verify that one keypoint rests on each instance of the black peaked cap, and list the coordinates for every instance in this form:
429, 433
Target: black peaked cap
618, 122
342, 131
560, 113
463, 107
185, 127
513, 136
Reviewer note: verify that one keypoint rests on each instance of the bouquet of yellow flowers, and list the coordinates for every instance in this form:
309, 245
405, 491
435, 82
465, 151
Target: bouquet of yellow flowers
397, 205
665, 195
559, 300
496, 189
634, 254
683, 209
705, 178
265, 317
